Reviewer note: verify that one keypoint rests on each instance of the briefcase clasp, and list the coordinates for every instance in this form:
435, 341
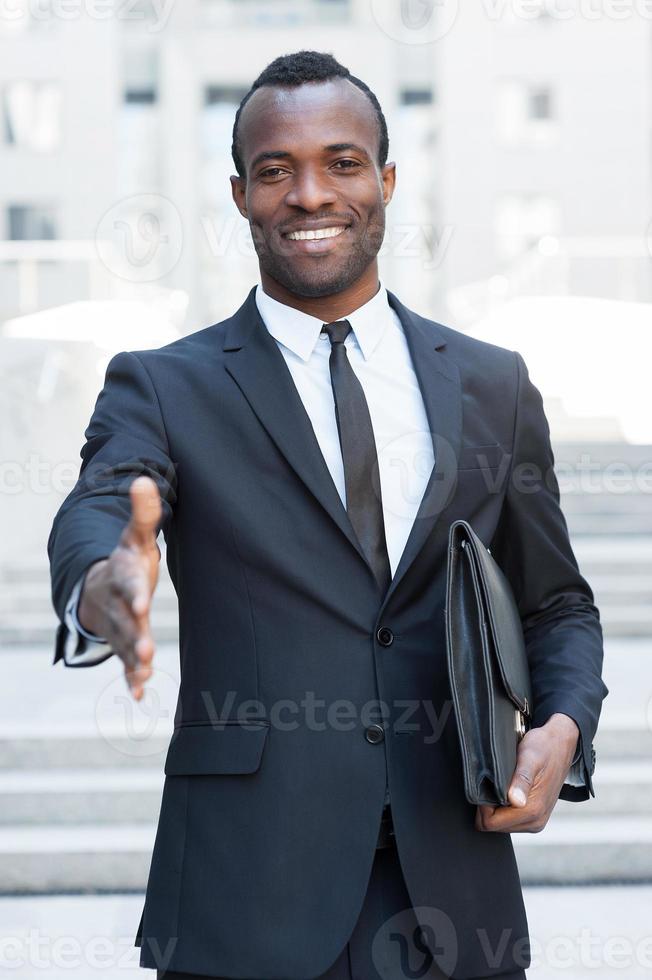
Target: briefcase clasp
519, 723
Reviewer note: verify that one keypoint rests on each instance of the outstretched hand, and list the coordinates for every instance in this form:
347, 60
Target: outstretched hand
543, 759
117, 593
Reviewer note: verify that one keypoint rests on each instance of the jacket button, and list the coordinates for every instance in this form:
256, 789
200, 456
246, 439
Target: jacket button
374, 734
385, 636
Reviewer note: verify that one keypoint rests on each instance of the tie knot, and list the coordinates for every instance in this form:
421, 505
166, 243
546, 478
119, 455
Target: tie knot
337, 331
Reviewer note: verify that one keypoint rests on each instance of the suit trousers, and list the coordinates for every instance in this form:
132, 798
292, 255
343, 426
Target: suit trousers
386, 942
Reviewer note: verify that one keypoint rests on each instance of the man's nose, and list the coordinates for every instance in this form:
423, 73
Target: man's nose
310, 191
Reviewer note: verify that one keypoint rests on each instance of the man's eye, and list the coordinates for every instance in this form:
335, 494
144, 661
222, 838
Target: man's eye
354, 162
268, 172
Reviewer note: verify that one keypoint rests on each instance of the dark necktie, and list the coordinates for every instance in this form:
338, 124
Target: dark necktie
361, 479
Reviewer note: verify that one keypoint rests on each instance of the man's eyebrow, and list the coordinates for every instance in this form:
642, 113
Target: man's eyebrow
338, 147
283, 154
269, 155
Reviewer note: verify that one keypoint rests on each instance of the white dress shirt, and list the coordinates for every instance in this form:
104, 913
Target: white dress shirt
378, 353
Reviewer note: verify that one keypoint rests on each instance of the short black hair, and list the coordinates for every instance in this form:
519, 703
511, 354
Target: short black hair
292, 70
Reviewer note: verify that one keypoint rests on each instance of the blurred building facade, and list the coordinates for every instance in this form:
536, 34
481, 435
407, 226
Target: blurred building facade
508, 148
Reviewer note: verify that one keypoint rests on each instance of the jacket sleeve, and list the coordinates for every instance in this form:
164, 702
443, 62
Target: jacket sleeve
561, 624
81, 648
125, 438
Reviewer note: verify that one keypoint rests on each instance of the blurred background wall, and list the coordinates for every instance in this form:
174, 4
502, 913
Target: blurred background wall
522, 134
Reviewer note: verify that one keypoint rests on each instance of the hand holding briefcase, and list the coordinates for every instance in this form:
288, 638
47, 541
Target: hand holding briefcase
487, 666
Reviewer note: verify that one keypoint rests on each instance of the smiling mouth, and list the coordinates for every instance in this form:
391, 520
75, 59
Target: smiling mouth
315, 234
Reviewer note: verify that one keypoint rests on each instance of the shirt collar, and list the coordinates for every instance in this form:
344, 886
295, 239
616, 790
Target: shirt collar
299, 331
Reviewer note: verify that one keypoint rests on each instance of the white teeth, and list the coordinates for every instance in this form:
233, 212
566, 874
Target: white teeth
315, 233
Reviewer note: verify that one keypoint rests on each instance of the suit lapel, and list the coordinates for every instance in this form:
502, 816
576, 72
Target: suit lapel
439, 381
259, 369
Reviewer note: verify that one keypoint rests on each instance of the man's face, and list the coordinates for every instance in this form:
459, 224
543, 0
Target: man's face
319, 171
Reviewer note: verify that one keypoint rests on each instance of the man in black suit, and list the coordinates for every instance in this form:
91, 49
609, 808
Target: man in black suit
304, 459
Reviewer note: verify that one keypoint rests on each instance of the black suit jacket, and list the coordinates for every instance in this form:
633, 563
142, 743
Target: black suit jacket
273, 792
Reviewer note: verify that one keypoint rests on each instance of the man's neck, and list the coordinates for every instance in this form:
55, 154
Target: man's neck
326, 308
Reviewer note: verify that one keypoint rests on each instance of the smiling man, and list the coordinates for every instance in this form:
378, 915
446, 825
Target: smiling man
305, 459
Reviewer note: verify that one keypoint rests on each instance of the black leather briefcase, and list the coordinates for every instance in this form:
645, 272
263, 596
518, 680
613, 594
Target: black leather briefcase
487, 666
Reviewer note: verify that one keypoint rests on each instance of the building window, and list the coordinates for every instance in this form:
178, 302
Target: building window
525, 114
32, 114
539, 104
30, 223
274, 13
231, 95
416, 96
140, 96
217, 118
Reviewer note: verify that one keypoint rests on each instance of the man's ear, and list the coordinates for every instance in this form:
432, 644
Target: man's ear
238, 192
388, 177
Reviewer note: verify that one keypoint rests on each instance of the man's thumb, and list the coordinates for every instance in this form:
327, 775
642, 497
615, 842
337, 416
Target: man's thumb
522, 780
145, 511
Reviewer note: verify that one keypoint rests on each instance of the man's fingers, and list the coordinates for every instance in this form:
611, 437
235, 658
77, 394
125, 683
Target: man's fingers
501, 818
132, 641
145, 513
133, 589
524, 812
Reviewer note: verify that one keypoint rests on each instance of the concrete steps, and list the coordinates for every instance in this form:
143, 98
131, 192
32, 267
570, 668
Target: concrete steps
79, 813
632, 586
79, 796
585, 850
616, 562
115, 857
76, 857
109, 796
80, 857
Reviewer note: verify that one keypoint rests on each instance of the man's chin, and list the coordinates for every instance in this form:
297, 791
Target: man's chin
317, 284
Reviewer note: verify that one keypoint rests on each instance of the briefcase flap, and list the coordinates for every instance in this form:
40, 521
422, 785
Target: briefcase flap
502, 618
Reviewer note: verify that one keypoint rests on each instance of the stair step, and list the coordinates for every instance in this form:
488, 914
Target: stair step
62, 751
40, 628
576, 501
585, 850
612, 550
621, 787
27, 605
99, 858
80, 796
82, 751
626, 616
133, 795
608, 524
75, 858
